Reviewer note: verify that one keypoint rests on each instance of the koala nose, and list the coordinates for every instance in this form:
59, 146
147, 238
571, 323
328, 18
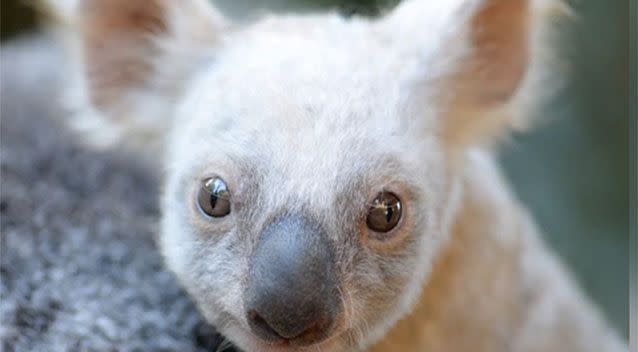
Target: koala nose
292, 292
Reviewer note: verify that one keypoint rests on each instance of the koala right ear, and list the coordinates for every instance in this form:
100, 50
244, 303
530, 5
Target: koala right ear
479, 61
135, 56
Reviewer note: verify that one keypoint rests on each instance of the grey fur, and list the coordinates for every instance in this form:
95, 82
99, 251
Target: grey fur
79, 267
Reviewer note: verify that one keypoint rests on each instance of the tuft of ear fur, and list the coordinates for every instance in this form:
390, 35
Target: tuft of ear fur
134, 58
484, 70
501, 76
488, 73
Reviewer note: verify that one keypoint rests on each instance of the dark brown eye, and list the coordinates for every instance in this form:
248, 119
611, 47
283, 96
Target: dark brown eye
385, 212
213, 198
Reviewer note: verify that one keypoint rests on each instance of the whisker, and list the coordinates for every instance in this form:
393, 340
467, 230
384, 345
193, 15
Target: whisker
226, 344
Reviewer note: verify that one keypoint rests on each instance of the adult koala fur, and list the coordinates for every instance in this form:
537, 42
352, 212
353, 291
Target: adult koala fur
328, 184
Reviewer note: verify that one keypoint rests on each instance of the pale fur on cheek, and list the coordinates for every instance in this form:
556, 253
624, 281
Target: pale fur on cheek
441, 201
209, 274
207, 269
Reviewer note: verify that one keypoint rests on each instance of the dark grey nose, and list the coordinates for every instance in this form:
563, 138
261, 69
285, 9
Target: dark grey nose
292, 292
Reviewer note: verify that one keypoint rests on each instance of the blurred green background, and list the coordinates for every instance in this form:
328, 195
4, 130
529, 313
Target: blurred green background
572, 171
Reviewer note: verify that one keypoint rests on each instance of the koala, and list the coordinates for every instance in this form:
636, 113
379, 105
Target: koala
330, 184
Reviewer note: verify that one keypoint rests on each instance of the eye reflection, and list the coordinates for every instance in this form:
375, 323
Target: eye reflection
385, 212
213, 198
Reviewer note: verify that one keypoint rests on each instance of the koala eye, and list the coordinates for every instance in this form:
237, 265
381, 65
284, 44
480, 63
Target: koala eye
385, 212
213, 197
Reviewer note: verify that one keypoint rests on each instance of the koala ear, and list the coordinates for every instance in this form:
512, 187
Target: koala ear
498, 53
135, 56
489, 72
476, 56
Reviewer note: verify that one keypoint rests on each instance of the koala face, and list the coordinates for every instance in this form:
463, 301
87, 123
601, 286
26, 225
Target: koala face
311, 162
330, 210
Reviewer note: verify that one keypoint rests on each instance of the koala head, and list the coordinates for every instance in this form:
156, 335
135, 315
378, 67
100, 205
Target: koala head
311, 162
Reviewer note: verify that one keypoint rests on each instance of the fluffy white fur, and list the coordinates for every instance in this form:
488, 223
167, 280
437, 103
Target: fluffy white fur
319, 113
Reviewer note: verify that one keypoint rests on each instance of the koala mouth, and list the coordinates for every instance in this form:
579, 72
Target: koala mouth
292, 297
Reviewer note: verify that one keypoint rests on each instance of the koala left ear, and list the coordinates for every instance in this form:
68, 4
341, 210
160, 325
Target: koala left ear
134, 58
476, 55
498, 56
490, 71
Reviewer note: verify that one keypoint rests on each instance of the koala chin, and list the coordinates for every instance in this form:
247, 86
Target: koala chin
330, 183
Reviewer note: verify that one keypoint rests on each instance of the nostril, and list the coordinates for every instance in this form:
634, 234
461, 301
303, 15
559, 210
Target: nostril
261, 327
315, 332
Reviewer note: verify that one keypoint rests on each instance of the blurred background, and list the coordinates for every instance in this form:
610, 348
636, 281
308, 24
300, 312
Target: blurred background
571, 171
